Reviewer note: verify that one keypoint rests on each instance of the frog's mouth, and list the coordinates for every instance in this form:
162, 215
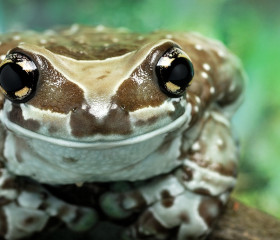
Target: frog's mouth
184, 119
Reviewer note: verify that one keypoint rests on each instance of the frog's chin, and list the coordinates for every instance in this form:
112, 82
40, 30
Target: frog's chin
182, 120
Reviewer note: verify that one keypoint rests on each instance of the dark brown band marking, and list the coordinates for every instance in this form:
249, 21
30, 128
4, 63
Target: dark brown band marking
141, 89
85, 124
15, 116
55, 92
167, 199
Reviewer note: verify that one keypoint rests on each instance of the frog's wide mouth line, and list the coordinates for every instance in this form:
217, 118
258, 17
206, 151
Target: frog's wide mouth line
179, 122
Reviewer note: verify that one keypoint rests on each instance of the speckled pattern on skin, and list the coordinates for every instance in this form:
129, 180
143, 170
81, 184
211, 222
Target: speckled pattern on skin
101, 142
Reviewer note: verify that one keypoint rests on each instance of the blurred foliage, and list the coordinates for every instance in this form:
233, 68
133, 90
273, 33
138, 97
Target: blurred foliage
250, 28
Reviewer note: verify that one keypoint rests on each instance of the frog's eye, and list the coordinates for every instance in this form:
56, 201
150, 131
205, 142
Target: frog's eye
174, 72
18, 77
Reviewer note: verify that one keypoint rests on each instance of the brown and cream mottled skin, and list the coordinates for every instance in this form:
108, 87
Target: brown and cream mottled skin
100, 142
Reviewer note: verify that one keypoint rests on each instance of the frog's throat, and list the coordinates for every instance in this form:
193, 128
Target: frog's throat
181, 121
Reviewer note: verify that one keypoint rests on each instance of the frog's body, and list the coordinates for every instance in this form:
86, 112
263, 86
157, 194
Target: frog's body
98, 115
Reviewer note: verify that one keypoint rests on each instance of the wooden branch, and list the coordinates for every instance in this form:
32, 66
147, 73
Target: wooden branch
240, 222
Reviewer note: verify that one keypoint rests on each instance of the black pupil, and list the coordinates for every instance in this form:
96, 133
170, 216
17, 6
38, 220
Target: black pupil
13, 78
179, 73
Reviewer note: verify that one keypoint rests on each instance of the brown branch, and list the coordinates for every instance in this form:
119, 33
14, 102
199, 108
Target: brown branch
240, 222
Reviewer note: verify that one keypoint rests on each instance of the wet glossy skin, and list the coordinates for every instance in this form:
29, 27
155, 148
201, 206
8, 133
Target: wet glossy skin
99, 115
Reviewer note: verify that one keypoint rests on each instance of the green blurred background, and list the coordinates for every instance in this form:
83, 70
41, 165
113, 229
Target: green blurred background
250, 28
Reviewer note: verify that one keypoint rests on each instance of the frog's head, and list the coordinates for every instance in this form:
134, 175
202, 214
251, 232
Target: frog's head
92, 106
113, 98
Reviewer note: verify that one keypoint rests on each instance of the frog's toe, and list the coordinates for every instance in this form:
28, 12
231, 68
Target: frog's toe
122, 204
165, 209
186, 216
83, 220
146, 227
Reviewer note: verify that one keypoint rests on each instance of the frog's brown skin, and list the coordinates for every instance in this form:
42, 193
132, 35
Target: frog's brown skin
186, 170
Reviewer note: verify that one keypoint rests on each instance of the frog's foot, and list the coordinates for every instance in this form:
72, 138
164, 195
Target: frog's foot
168, 210
186, 202
27, 208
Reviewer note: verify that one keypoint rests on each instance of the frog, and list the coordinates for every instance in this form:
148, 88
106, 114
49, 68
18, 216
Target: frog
104, 127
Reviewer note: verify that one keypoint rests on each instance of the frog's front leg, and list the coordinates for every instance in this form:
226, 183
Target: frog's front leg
26, 208
185, 203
